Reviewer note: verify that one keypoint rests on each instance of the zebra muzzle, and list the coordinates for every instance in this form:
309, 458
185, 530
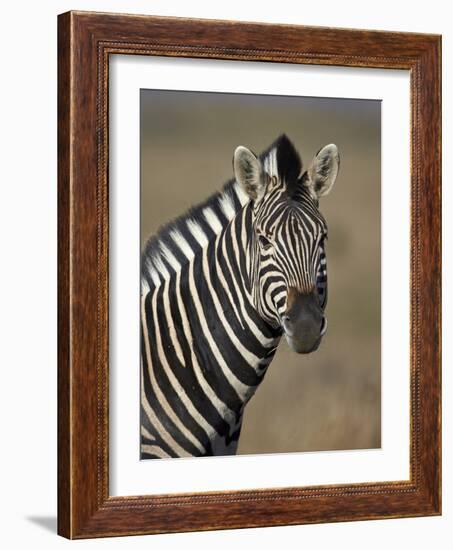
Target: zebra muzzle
303, 322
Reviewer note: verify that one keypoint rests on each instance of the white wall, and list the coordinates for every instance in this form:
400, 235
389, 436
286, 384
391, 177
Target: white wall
28, 269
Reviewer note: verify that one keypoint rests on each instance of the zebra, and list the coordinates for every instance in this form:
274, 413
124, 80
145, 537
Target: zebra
220, 286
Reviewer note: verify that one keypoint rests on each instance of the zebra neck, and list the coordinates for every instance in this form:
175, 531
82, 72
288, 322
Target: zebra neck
200, 307
238, 326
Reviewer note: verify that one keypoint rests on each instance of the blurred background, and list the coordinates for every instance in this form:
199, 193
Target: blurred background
329, 399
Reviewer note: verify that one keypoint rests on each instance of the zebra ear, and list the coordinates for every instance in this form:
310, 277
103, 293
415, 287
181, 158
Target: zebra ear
323, 170
248, 173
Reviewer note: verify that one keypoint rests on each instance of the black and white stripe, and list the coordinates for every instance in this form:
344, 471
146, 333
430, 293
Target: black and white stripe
214, 284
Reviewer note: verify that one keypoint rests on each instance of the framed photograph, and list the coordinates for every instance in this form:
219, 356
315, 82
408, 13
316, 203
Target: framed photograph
249, 275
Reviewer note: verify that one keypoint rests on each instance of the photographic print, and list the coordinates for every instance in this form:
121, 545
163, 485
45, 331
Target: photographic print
260, 274
248, 274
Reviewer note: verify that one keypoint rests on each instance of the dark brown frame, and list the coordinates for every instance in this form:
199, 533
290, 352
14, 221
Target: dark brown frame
85, 42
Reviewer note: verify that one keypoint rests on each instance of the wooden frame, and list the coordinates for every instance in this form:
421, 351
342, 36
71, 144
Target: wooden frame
85, 42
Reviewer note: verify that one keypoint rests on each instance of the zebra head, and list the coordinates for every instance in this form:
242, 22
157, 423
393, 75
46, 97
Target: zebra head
287, 259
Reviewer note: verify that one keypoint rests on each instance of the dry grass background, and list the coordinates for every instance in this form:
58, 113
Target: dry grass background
331, 398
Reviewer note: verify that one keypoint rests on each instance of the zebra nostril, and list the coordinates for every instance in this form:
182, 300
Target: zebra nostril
287, 324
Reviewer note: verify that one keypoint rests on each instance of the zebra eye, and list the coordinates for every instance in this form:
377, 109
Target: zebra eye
264, 242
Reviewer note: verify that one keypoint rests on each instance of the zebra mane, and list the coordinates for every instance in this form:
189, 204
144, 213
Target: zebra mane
201, 222
206, 220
